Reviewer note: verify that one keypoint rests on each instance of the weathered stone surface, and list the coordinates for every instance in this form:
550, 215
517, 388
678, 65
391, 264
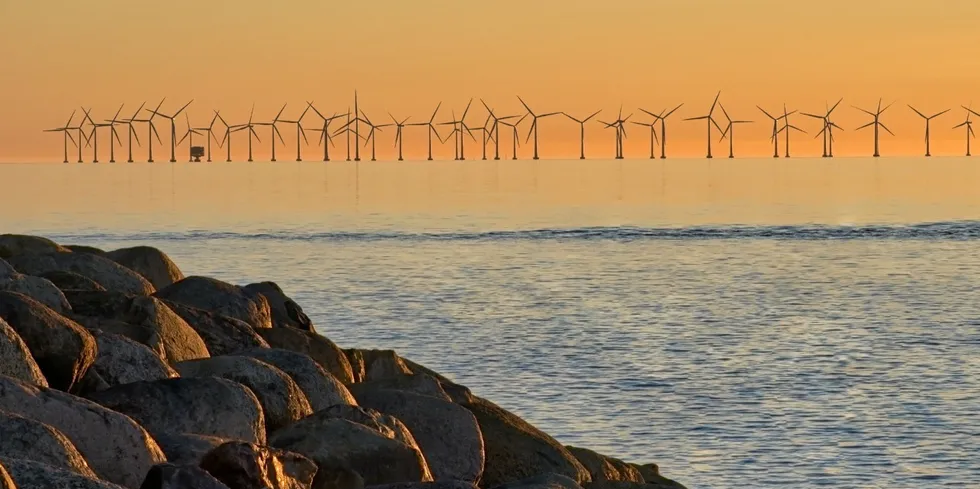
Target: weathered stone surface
459, 394
180, 341
447, 433
29, 439
658, 483
285, 311
385, 424
121, 360
336, 443
248, 466
140, 334
603, 468
651, 475
29, 474
206, 406
418, 383
117, 449
375, 364
86, 249
322, 389
282, 400
15, 358
5, 481
37, 288
548, 480
223, 335
187, 448
17, 244
444, 484
62, 349
103, 271
319, 348
516, 450
177, 476
222, 298
5, 269
71, 281
153, 264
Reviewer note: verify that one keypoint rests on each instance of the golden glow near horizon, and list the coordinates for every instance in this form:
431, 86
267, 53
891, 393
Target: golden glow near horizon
559, 55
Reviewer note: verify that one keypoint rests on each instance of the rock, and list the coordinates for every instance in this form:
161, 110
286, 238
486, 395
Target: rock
222, 298
122, 360
62, 349
71, 281
28, 439
661, 483
319, 348
244, 465
153, 264
205, 406
5, 481
385, 424
37, 288
117, 449
427, 485
651, 475
282, 400
447, 433
187, 448
174, 476
28, 474
322, 389
180, 341
417, 383
516, 450
222, 335
15, 358
103, 271
140, 334
459, 394
285, 312
86, 249
375, 364
603, 468
541, 481
5, 269
336, 444
92, 382
18, 244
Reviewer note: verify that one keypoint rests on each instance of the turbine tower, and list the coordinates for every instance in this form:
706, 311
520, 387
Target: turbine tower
131, 131
431, 128
876, 123
710, 120
620, 126
111, 123
66, 134
653, 134
81, 132
275, 131
787, 127
827, 130
210, 131
663, 128
370, 137
190, 133
516, 139
173, 129
399, 126
969, 127
95, 136
495, 129
228, 130
774, 137
730, 131
249, 127
581, 124
928, 119
325, 131
299, 130
458, 132
151, 129
534, 124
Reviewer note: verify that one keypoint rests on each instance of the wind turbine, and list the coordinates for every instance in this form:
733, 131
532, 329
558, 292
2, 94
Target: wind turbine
484, 132
151, 129
325, 131
131, 131
190, 144
710, 120
173, 129
370, 137
398, 132
299, 130
495, 129
928, 119
581, 124
250, 128
210, 131
274, 130
516, 138
534, 124
775, 132
787, 127
730, 131
653, 133
663, 128
112, 125
432, 128
827, 131
81, 132
876, 123
95, 137
620, 126
969, 127
66, 134
228, 130
458, 132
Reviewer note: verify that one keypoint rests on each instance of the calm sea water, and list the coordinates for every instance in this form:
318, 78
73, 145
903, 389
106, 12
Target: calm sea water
756, 323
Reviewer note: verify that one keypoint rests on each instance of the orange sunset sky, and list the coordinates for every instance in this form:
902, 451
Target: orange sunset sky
559, 55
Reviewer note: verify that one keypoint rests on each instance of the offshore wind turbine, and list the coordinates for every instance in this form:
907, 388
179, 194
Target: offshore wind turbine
787, 127
66, 134
190, 133
299, 130
827, 130
81, 132
653, 134
730, 131
228, 130
431, 128
876, 122
249, 127
969, 127
325, 139
662, 117
581, 124
112, 126
95, 136
371, 135
484, 132
274, 130
151, 129
534, 124
131, 132
620, 126
710, 120
495, 129
775, 132
399, 126
928, 119
210, 131
458, 132
516, 139
173, 129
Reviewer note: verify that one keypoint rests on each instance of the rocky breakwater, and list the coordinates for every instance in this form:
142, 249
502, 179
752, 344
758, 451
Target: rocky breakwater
116, 370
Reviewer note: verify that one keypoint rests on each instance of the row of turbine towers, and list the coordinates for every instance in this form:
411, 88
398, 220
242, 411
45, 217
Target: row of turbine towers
356, 122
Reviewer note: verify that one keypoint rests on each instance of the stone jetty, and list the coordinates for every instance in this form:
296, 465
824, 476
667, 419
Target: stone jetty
116, 370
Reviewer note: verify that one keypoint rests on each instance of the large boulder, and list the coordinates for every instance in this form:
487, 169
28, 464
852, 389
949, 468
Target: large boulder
71, 281
206, 406
177, 476
516, 450
548, 480
92, 250
282, 400
659, 483
153, 264
29, 474
427, 485
18, 244
319, 348
650, 473
5, 269
458, 393
103, 271
322, 389
375, 364
37, 288
220, 297
603, 468
285, 311
5, 481
447, 433
62, 349
187, 448
244, 465
15, 358
223, 335
338, 445
29, 439
117, 449
385, 424
425, 385
122, 361
180, 341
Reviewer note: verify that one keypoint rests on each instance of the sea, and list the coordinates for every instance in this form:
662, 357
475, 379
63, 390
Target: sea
757, 323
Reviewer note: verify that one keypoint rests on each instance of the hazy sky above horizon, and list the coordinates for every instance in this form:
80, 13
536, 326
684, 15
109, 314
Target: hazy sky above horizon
573, 55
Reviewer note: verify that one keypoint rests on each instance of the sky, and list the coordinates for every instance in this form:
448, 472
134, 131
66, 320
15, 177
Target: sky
576, 56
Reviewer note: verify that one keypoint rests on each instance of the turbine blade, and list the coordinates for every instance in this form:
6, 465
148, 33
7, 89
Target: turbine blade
872, 114
671, 112
917, 112
764, 112
182, 109
280, 113
529, 111
591, 116
886, 128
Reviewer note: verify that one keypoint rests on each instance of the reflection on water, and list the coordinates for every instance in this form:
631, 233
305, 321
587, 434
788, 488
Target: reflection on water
611, 303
